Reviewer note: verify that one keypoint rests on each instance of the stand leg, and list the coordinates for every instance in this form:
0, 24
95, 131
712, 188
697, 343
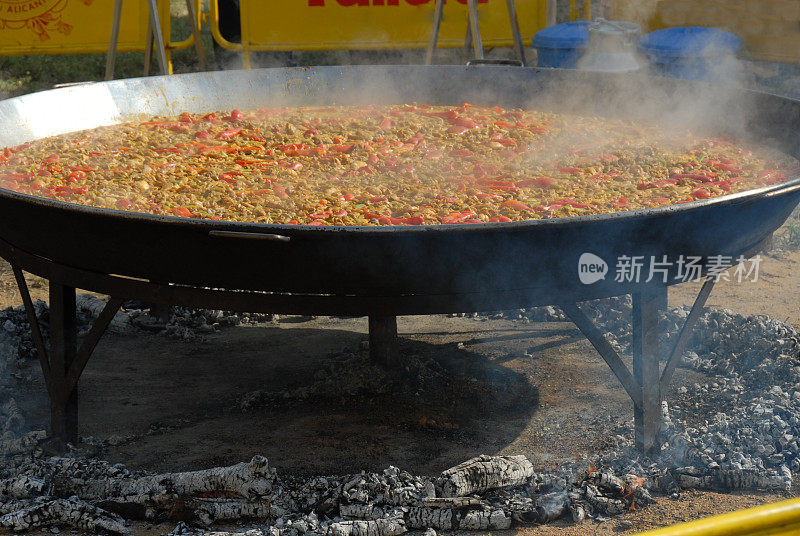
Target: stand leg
647, 414
514, 22
477, 42
383, 340
63, 350
111, 59
434, 38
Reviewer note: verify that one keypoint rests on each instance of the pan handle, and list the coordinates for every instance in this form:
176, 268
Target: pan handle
494, 61
256, 236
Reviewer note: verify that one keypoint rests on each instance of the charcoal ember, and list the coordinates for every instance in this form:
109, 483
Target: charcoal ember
484, 473
23, 487
92, 306
210, 510
72, 511
435, 518
361, 511
484, 520
551, 506
392, 487
379, 527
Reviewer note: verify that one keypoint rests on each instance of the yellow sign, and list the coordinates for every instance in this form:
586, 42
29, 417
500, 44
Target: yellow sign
72, 26
377, 24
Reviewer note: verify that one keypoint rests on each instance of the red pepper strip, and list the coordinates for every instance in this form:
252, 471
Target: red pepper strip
464, 122
458, 130
539, 182
724, 185
378, 199
227, 134
572, 170
620, 202
449, 115
513, 115
463, 152
320, 215
498, 219
661, 200
82, 168
124, 203
483, 195
538, 129
413, 220
385, 123
280, 191
183, 211
52, 159
252, 135
236, 115
344, 148
340, 213
645, 185
187, 118
505, 125
212, 118
701, 194
516, 205
573, 203
723, 166
457, 217
316, 222
227, 176
67, 190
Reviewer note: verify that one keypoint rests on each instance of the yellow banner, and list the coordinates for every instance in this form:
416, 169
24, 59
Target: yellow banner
377, 24
72, 26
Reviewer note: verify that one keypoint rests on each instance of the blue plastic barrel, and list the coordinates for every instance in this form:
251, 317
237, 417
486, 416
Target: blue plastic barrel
691, 52
562, 45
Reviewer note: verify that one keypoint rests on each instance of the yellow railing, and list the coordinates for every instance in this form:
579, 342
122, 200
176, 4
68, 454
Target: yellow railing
776, 519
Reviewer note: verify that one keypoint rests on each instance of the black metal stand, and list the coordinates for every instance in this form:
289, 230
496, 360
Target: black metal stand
64, 363
383, 340
647, 385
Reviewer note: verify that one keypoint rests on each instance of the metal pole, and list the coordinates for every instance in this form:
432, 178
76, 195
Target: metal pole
198, 43
514, 22
647, 415
551, 12
477, 42
63, 350
161, 53
383, 340
437, 21
148, 48
111, 58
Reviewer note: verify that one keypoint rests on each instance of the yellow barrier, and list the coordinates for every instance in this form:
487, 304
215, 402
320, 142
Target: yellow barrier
371, 24
78, 26
776, 519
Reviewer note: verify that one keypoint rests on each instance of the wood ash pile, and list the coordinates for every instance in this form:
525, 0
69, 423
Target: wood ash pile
484, 493
736, 426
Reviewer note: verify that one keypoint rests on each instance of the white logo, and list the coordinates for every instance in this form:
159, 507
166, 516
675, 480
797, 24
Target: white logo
591, 268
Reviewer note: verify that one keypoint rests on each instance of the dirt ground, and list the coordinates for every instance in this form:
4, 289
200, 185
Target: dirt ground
175, 405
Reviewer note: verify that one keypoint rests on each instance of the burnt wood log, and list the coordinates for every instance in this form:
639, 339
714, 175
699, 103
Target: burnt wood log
23, 487
484, 473
378, 527
209, 510
251, 480
73, 512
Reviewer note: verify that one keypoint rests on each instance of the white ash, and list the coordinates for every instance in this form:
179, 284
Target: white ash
93, 495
